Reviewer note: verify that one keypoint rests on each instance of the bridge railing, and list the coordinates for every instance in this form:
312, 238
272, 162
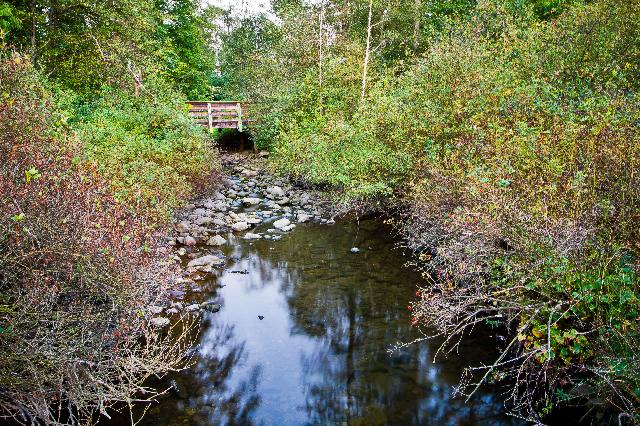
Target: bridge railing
220, 114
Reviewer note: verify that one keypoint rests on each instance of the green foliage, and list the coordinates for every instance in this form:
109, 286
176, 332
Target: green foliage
147, 147
187, 59
9, 19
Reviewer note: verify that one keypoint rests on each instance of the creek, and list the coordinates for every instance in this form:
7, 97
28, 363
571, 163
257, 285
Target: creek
304, 333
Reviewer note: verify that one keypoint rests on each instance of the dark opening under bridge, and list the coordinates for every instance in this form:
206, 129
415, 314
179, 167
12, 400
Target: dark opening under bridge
220, 114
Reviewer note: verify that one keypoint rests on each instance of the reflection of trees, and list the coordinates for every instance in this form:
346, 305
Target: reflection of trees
353, 308
358, 307
201, 395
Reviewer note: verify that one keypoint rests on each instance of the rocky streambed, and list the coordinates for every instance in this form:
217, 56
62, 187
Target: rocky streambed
248, 196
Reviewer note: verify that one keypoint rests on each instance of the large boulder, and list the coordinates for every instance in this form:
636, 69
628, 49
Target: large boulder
275, 192
303, 217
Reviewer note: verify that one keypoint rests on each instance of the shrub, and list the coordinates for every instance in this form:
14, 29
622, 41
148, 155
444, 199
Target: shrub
147, 147
77, 270
514, 142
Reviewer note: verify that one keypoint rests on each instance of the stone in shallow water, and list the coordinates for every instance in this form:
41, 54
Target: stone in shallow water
193, 308
302, 218
251, 236
208, 260
251, 201
281, 223
355, 250
287, 228
210, 306
216, 240
240, 226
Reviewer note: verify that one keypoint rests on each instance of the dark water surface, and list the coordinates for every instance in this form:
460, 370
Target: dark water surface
319, 355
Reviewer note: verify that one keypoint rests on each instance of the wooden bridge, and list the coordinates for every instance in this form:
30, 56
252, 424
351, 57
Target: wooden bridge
220, 114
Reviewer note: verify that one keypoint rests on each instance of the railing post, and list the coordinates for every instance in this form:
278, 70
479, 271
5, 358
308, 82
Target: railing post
239, 109
209, 117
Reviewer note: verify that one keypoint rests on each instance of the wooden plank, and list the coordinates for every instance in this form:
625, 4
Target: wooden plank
220, 114
239, 112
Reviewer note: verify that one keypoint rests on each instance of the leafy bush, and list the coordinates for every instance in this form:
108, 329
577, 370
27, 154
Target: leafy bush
147, 147
514, 142
77, 271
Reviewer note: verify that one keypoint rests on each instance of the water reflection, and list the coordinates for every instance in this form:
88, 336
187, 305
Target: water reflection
319, 353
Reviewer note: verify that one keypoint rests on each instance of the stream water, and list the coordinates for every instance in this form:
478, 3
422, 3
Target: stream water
303, 338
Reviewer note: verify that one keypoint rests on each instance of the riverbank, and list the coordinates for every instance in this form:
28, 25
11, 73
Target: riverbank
248, 196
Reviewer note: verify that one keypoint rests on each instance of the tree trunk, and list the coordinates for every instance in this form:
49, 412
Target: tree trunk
33, 32
320, 53
366, 52
416, 26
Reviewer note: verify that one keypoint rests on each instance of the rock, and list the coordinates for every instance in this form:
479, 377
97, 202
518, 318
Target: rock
210, 306
276, 191
204, 220
263, 154
228, 183
183, 227
254, 220
260, 317
302, 218
240, 226
216, 240
160, 322
190, 241
281, 223
251, 201
251, 236
287, 228
355, 250
208, 260
193, 308
182, 251
249, 173
283, 201
172, 311
176, 294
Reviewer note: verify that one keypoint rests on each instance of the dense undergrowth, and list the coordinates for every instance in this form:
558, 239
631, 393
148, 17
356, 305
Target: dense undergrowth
513, 142
84, 189
96, 149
